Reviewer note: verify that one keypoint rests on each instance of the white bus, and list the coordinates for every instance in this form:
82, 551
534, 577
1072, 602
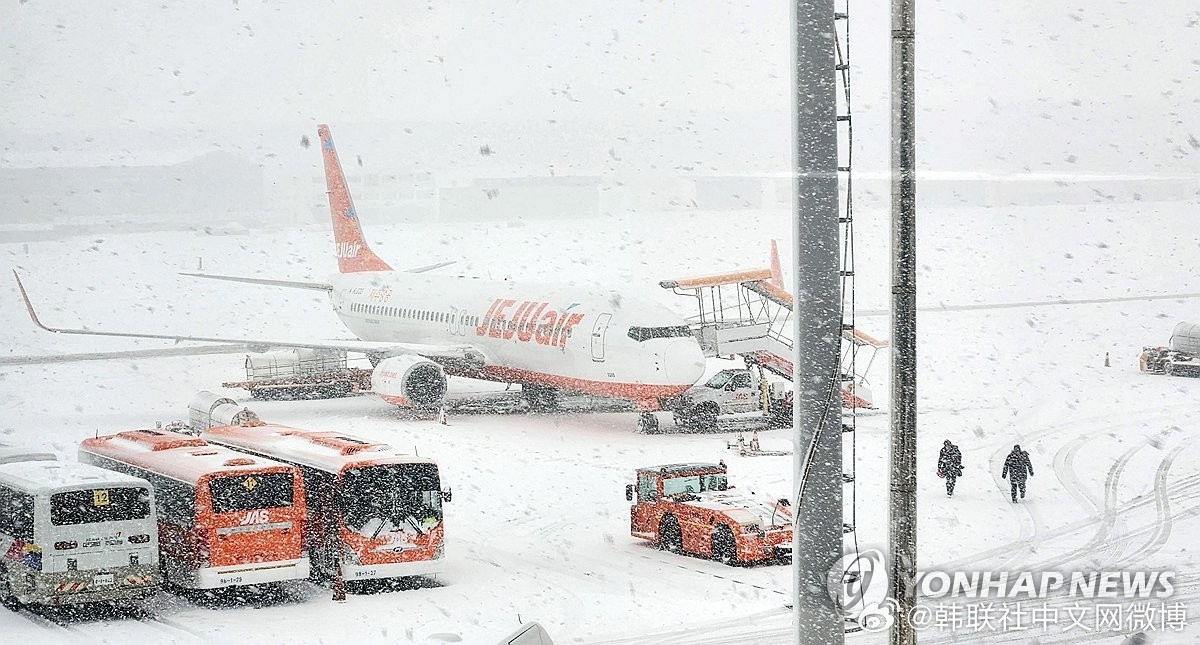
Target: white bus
73, 533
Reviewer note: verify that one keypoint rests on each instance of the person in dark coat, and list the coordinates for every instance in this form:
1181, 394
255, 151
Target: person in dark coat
1016, 468
950, 464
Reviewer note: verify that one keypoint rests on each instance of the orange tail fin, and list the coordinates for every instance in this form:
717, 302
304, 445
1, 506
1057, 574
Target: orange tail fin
776, 272
353, 254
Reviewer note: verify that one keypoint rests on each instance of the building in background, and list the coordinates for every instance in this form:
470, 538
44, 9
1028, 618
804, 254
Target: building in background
214, 190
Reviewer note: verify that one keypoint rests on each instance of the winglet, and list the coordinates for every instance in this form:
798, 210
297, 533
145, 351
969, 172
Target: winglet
29, 305
776, 272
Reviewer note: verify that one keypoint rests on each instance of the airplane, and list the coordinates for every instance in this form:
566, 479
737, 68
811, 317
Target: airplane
416, 327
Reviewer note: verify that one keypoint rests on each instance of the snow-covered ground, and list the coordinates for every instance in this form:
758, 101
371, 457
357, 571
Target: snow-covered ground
538, 529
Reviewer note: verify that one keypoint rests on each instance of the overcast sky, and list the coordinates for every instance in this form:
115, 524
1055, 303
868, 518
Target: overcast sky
1019, 85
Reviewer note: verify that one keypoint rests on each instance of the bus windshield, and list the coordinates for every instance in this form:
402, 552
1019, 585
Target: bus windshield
394, 498
99, 505
250, 492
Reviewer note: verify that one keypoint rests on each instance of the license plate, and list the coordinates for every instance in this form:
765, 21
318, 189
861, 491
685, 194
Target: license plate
101, 579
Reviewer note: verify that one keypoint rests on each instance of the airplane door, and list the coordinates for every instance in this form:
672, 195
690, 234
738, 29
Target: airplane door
598, 331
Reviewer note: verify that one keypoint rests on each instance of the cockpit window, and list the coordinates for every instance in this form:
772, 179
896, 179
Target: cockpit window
646, 333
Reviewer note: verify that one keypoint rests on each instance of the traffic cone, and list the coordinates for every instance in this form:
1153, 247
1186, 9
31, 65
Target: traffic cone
1106, 363
339, 586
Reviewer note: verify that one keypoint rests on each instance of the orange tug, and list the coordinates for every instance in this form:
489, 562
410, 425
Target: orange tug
691, 508
224, 519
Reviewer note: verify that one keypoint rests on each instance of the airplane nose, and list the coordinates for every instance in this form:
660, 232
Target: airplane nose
683, 362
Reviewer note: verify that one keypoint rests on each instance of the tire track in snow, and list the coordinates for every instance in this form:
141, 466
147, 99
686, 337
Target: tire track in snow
1026, 515
1163, 513
1113, 516
1183, 485
1112, 483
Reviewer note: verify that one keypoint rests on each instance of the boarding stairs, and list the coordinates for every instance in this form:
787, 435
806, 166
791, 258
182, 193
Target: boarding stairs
748, 314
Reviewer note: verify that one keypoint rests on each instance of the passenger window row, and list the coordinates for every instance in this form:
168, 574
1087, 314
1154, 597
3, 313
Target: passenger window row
411, 314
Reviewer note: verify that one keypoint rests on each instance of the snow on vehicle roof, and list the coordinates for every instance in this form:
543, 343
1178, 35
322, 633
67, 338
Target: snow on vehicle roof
330, 451
676, 469
178, 456
11, 453
43, 477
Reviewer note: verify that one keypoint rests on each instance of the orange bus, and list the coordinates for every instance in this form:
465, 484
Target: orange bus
224, 519
373, 511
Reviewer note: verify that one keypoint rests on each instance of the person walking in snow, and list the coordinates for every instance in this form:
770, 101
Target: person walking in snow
950, 465
1016, 468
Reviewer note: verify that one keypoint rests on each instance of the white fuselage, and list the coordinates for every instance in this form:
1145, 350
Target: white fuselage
551, 335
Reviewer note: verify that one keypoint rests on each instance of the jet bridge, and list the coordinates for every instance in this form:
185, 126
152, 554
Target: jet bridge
748, 314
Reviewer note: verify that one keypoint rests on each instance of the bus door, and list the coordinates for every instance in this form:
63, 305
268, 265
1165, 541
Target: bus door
598, 333
322, 533
253, 518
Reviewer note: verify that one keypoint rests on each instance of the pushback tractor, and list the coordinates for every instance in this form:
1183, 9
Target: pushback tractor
691, 508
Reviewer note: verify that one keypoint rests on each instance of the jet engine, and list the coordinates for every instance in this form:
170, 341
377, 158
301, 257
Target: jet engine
409, 382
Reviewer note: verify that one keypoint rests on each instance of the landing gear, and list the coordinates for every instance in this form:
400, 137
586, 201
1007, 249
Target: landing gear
701, 418
648, 423
540, 398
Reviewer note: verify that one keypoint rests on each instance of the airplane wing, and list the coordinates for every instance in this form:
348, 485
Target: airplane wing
460, 356
293, 284
52, 359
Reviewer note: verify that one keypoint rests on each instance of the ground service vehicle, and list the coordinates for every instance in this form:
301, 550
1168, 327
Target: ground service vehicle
733, 391
692, 508
302, 373
73, 533
1181, 357
225, 519
372, 511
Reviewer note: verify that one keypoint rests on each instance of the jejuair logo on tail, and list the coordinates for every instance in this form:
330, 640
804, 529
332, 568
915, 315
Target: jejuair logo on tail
348, 249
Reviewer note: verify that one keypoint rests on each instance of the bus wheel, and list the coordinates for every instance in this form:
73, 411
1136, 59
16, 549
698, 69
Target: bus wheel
670, 538
724, 548
648, 423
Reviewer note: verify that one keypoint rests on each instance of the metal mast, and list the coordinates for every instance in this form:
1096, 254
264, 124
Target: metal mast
902, 509
817, 540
